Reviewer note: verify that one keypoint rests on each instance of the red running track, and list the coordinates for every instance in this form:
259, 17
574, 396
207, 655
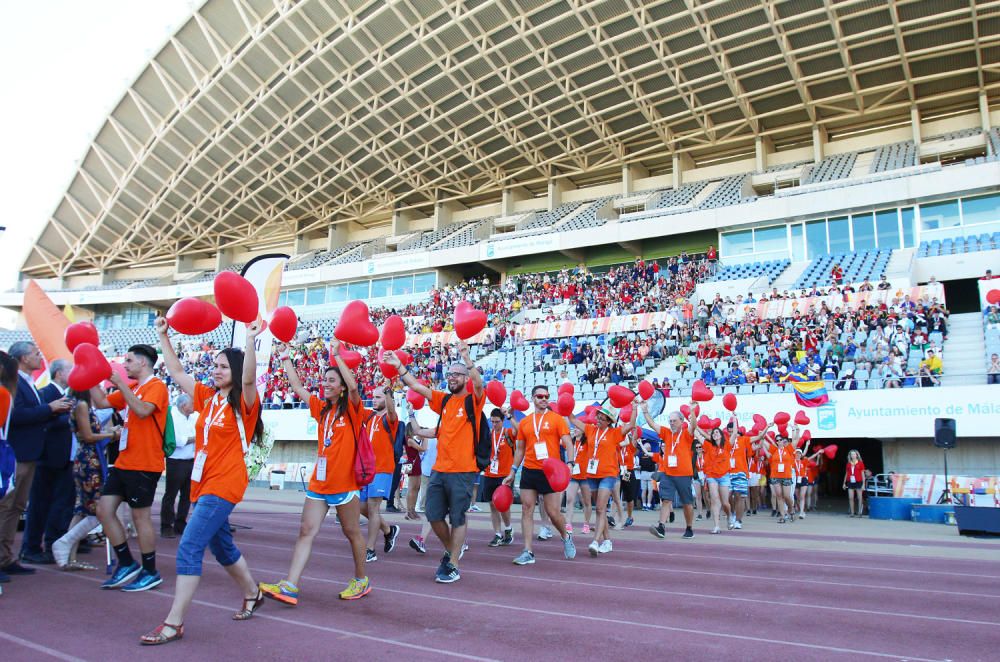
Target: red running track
691, 599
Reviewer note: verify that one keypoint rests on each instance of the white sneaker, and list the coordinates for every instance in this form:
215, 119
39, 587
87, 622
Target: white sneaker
738, 525
732, 521
545, 533
605, 547
60, 550
593, 548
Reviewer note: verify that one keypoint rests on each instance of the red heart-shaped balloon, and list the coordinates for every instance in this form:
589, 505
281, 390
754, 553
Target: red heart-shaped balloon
716, 423
625, 413
236, 297
993, 297
806, 436
393, 332
705, 423
686, 411
781, 418
192, 317
284, 323
355, 326
620, 396
557, 474
90, 367
729, 401
496, 392
468, 320
783, 430
566, 388
759, 421
830, 451
770, 435
351, 358
503, 497
418, 401
801, 418
565, 404
700, 392
80, 332
389, 371
646, 390
120, 369
518, 401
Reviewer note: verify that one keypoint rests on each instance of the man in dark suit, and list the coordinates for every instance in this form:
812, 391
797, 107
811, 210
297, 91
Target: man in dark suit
30, 416
50, 507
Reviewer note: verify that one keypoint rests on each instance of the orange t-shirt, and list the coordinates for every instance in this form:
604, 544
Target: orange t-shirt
4, 411
679, 446
604, 447
716, 459
339, 453
456, 452
551, 427
502, 453
784, 456
382, 440
225, 470
144, 440
812, 470
739, 455
626, 456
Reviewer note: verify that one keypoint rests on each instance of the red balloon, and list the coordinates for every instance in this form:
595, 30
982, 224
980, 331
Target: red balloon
389, 371
350, 358
468, 320
625, 413
557, 473
355, 326
818, 449
716, 423
646, 390
566, 388
801, 418
497, 393
236, 297
565, 404
90, 367
81, 332
503, 497
993, 297
393, 332
120, 369
685, 411
620, 396
806, 436
729, 401
783, 430
284, 323
700, 392
743, 430
759, 421
782, 418
418, 401
705, 423
518, 401
830, 451
193, 317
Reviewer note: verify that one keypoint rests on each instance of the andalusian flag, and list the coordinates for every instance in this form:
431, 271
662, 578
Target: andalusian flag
808, 392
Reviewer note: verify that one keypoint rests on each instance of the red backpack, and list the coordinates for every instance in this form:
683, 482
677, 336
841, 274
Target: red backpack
364, 455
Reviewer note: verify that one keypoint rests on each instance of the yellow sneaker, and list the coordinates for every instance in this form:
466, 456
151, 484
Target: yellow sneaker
358, 588
283, 591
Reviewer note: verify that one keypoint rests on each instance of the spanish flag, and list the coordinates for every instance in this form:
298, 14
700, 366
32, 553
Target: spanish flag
808, 393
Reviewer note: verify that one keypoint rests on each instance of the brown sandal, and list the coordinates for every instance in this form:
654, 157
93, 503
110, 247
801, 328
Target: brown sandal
250, 605
156, 637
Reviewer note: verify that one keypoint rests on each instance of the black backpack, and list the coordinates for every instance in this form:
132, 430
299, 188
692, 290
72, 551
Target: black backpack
480, 433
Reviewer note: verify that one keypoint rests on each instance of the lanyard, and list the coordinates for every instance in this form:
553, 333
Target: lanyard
496, 442
373, 428
135, 390
537, 423
328, 428
211, 417
676, 440
598, 440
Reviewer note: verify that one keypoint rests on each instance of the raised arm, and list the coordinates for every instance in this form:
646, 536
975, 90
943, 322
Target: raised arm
477, 379
249, 376
691, 419
285, 358
577, 423
649, 419
173, 364
349, 381
391, 359
390, 404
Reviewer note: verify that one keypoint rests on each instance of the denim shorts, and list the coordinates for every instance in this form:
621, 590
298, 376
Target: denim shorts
606, 483
721, 482
784, 482
338, 499
378, 488
207, 526
677, 490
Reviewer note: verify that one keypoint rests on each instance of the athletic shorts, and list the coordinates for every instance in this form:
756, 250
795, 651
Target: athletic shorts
630, 488
449, 494
489, 486
645, 475
378, 488
721, 481
784, 482
534, 479
754, 480
738, 483
854, 485
136, 488
606, 483
336, 499
677, 490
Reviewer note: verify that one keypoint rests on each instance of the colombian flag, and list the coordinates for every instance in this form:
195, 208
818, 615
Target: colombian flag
808, 393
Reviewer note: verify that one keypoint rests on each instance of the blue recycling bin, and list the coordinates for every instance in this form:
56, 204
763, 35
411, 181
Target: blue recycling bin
892, 508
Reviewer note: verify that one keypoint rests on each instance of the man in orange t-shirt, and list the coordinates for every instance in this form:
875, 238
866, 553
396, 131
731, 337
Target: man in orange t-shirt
676, 468
453, 478
381, 422
539, 437
137, 470
501, 460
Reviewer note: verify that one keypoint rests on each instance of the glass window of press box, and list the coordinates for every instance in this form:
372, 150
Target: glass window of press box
371, 291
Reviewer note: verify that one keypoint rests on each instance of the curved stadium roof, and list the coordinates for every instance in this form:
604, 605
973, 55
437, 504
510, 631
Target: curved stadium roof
264, 119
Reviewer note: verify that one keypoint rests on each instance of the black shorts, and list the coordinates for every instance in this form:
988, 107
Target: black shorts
534, 479
855, 485
449, 494
137, 488
488, 486
630, 487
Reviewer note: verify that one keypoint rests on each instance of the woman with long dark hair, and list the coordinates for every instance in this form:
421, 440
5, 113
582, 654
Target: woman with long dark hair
219, 477
338, 418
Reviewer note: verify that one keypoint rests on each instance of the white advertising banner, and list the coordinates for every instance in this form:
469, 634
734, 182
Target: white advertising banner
394, 263
538, 243
264, 273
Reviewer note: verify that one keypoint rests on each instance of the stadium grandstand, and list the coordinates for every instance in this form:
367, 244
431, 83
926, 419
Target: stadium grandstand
769, 186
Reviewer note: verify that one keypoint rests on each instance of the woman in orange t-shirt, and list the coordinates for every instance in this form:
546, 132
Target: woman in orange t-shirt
338, 418
501, 460
578, 484
219, 476
716, 449
781, 462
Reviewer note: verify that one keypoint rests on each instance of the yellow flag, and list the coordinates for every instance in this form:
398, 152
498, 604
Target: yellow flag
68, 312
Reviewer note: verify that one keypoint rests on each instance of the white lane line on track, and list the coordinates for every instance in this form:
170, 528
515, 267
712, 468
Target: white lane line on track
40, 648
287, 621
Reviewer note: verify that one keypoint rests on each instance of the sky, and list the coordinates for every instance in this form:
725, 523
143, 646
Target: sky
65, 64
